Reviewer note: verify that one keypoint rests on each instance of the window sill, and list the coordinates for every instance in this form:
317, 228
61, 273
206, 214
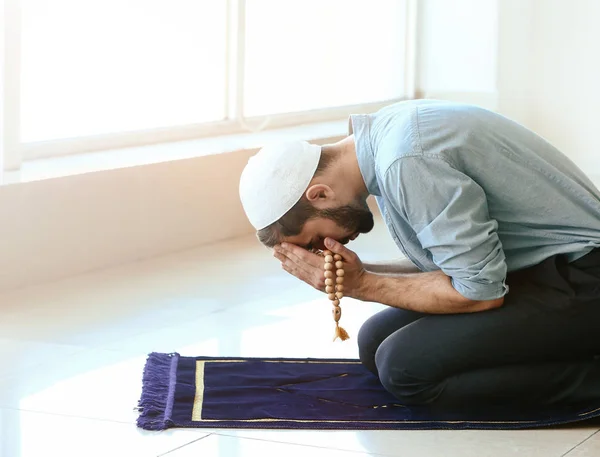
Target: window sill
36, 170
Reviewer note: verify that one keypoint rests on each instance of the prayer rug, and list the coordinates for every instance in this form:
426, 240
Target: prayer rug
281, 393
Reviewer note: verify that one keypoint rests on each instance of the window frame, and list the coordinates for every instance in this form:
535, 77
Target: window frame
13, 152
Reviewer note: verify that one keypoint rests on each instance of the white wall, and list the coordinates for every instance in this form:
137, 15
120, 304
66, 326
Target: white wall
477, 51
513, 83
457, 46
565, 77
536, 61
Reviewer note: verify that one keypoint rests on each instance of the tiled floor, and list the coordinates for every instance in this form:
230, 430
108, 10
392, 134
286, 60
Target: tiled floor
72, 354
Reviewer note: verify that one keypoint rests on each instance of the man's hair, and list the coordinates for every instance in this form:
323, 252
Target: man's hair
292, 222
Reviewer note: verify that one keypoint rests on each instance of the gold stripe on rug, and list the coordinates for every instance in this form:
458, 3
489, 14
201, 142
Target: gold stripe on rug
199, 397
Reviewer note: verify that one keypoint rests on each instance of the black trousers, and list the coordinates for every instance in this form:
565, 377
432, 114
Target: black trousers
541, 347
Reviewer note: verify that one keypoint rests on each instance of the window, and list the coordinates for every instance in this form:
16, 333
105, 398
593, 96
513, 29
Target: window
316, 54
96, 67
82, 75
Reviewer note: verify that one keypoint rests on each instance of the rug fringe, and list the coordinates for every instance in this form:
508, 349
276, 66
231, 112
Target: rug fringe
158, 388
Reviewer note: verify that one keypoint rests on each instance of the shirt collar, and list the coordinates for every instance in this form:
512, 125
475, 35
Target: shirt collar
359, 125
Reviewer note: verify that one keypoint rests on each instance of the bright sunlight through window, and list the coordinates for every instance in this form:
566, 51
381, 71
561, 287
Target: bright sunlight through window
92, 67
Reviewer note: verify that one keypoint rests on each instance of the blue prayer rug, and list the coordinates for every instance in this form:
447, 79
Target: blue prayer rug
276, 393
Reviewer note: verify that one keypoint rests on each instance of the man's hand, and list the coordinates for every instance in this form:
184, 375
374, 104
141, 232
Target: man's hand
308, 266
430, 292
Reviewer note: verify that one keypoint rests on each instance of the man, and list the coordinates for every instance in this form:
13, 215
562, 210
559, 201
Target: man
500, 302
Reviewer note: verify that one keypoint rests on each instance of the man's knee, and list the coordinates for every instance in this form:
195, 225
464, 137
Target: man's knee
399, 373
367, 345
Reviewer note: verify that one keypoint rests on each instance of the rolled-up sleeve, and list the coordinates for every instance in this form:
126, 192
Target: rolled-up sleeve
448, 212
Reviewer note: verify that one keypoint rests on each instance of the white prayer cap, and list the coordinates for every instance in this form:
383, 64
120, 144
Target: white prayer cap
275, 178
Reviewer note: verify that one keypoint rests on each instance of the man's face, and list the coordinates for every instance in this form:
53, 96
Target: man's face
343, 224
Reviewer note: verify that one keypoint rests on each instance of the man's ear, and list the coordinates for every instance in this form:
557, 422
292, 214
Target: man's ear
319, 192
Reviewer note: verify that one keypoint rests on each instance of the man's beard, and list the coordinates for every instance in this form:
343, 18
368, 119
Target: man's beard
356, 218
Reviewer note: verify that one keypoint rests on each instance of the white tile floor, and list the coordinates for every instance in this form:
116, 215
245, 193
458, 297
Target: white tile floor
72, 354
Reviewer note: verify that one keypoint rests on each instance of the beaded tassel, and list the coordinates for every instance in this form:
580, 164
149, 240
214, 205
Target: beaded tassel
334, 287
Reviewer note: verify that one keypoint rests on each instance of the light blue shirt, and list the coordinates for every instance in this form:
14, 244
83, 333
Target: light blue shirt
467, 191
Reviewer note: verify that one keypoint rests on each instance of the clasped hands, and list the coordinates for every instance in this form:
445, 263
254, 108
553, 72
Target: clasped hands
308, 266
